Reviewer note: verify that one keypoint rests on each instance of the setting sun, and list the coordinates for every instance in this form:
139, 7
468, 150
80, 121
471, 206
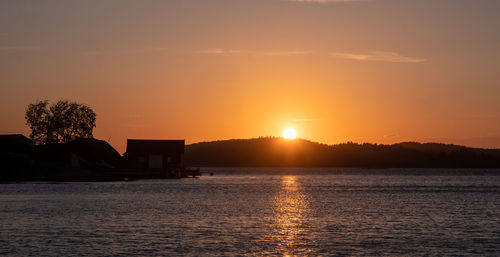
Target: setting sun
290, 133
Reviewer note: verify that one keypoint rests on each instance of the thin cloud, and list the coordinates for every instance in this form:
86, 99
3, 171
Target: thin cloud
228, 52
223, 52
146, 50
155, 49
327, 1
92, 53
19, 48
379, 56
151, 50
288, 53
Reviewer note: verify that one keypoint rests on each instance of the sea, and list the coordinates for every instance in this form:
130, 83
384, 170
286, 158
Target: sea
259, 212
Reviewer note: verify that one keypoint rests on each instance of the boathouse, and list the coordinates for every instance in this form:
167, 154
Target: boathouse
158, 157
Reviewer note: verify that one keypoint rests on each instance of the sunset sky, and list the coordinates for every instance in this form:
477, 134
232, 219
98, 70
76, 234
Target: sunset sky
380, 71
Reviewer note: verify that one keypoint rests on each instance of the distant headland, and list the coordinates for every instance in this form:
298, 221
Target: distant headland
277, 152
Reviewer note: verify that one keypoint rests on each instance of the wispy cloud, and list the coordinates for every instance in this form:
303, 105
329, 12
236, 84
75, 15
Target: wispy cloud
92, 52
144, 50
224, 52
328, 1
269, 53
156, 49
19, 48
379, 56
288, 53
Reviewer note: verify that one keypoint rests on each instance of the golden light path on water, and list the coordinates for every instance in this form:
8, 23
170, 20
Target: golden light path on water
290, 211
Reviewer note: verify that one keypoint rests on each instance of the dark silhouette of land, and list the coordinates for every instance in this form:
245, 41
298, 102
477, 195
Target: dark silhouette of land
278, 152
82, 159
88, 159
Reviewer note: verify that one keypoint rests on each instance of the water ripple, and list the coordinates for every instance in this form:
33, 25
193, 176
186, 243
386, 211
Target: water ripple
255, 215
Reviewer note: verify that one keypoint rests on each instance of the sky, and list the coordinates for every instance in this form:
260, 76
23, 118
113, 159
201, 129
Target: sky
378, 71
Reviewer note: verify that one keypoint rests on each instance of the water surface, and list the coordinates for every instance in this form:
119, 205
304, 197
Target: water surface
253, 212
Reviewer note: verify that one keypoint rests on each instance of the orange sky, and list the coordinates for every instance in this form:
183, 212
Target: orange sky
379, 71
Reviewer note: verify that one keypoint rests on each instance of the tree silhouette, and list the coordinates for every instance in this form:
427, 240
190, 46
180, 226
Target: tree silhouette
60, 122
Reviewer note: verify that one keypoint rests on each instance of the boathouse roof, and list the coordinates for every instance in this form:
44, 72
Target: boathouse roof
155, 146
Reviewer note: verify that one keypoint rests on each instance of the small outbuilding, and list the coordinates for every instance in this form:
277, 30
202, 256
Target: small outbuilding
158, 157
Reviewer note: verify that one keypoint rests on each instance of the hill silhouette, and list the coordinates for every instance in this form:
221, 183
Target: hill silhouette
278, 152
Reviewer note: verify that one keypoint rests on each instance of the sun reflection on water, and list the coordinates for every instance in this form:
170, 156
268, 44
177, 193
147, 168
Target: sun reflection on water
290, 213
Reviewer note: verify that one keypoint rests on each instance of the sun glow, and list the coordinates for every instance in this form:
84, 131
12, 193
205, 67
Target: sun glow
290, 133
